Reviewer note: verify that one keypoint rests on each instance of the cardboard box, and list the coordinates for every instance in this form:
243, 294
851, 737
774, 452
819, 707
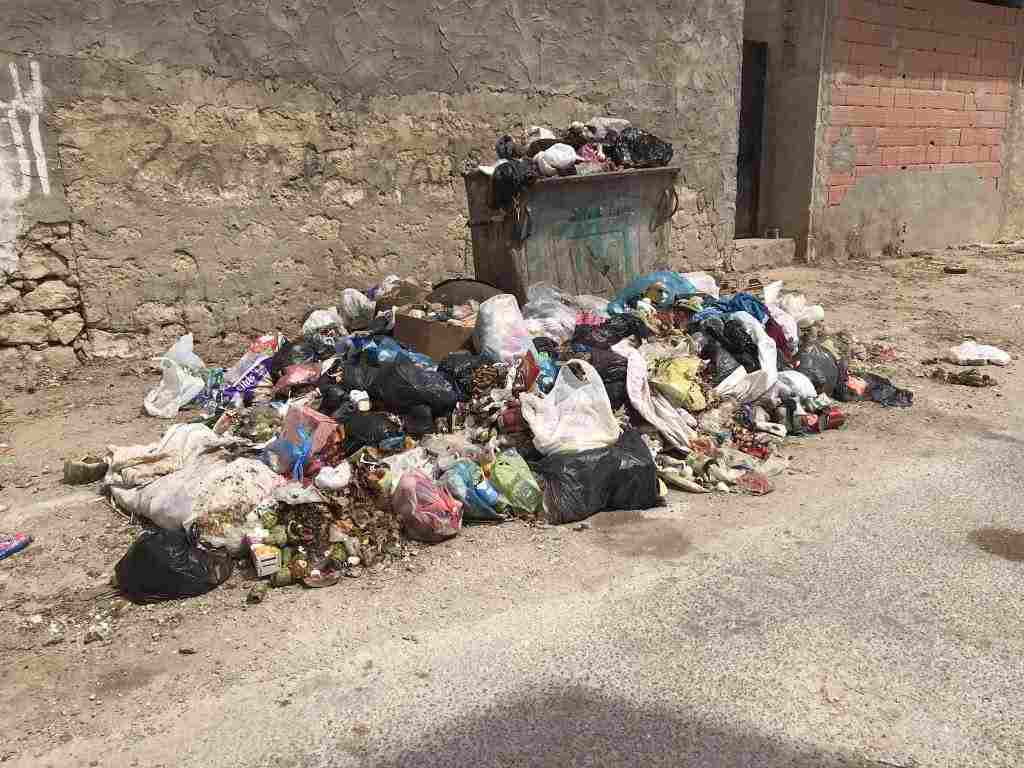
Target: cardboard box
430, 337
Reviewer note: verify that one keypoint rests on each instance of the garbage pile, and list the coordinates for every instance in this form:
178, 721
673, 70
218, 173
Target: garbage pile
603, 145
315, 456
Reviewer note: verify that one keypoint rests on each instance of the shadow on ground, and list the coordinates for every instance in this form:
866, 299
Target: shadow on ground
577, 726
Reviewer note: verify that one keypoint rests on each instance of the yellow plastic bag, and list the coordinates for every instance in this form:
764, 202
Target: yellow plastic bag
678, 379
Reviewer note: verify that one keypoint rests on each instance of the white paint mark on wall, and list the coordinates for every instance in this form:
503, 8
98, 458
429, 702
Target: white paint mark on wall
15, 162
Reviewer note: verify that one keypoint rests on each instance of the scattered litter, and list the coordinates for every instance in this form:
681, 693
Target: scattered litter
11, 544
971, 377
973, 353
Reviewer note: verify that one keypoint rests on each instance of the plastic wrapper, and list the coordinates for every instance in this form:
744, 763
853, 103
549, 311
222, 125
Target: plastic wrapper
501, 331
575, 416
166, 565
678, 379
675, 285
356, 309
618, 476
636, 148
428, 513
514, 480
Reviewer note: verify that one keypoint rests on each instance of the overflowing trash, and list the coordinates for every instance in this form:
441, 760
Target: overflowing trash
310, 458
314, 456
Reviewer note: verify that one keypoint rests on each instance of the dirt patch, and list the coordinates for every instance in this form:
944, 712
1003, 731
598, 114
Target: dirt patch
1001, 542
636, 534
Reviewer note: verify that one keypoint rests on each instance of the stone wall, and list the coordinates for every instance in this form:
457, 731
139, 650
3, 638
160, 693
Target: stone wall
913, 133
230, 164
40, 307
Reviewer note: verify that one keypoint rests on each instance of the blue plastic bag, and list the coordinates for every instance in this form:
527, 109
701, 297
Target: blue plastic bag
465, 480
675, 284
287, 457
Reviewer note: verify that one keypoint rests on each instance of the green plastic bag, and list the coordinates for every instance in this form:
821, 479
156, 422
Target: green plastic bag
513, 479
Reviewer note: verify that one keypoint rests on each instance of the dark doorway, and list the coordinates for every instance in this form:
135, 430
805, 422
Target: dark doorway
753, 80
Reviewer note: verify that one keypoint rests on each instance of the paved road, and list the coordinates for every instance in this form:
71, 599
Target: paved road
863, 628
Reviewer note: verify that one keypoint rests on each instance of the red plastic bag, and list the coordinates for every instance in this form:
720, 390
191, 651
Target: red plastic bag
428, 513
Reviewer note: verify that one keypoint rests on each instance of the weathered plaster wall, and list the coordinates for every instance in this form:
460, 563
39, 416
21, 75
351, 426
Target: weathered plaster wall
229, 164
913, 138
40, 305
794, 34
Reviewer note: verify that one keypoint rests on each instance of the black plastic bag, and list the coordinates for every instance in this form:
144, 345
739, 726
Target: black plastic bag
741, 346
419, 421
507, 149
368, 429
402, 385
636, 148
817, 364
332, 397
611, 332
509, 180
458, 368
546, 346
166, 565
578, 485
611, 367
722, 363
289, 354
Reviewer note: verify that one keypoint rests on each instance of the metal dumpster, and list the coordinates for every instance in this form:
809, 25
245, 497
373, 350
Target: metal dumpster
587, 234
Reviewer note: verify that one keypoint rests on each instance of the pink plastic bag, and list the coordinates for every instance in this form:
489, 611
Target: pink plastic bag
428, 513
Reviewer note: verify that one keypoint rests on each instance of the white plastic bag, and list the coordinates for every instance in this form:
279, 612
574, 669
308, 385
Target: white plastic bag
767, 352
557, 157
703, 282
747, 387
178, 387
973, 353
575, 416
795, 384
501, 331
806, 315
674, 424
334, 478
356, 309
182, 354
321, 320
547, 313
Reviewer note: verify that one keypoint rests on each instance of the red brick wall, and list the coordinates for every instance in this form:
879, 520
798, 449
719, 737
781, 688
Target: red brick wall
921, 85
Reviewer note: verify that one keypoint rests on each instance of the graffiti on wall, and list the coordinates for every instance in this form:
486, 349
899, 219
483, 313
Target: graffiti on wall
22, 156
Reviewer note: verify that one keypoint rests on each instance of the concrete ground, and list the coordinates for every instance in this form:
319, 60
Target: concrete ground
870, 612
